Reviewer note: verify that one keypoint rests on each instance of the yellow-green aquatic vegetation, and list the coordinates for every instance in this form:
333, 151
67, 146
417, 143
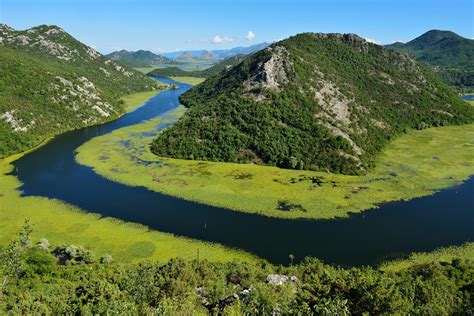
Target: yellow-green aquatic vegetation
417, 164
132, 101
64, 223
444, 254
189, 80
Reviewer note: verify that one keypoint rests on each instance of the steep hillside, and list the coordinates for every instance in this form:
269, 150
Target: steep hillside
313, 101
206, 73
50, 82
140, 58
451, 55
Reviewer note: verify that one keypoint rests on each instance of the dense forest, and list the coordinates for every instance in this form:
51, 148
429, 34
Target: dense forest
326, 102
451, 55
51, 83
39, 278
205, 73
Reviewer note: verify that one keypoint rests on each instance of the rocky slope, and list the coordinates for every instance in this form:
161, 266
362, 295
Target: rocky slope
50, 82
451, 55
313, 101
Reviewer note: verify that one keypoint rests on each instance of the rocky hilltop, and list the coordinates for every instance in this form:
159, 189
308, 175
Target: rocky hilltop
313, 101
140, 58
50, 83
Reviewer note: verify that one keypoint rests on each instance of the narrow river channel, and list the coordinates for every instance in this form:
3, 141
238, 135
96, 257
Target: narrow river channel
395, 229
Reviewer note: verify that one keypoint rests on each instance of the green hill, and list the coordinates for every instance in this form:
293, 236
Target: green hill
140, 58
451, 55
50, 83
312, 101
206, 73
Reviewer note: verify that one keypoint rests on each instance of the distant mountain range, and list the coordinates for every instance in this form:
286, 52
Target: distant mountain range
205, 73
220, 53
51, 83
140, 58
451, 55
313, 101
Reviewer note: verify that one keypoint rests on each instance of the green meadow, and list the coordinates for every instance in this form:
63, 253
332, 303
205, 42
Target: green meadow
189, 80
133, 101
63, 223
445, 254
145, 70
414, 165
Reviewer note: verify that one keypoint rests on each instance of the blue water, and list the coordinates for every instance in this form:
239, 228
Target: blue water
393, 230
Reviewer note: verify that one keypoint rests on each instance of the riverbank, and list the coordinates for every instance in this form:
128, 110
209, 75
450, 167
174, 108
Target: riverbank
414, 165
63, 223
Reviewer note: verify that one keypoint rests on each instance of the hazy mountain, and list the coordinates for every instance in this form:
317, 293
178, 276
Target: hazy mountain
185, 55
208, 55
222, 53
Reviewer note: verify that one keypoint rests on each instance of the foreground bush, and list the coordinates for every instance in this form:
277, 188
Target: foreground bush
37, 280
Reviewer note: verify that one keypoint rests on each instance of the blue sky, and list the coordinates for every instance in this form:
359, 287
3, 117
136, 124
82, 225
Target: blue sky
163, 26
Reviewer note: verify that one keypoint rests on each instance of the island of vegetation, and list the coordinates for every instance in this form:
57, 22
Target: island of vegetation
324, 102
417, 164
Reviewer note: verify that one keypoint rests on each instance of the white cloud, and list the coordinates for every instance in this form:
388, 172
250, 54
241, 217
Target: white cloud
371, 40
160, 50
218, 39
399, 41
250, 36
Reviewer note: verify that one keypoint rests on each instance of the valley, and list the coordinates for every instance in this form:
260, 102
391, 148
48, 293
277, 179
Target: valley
58, 179
201, 159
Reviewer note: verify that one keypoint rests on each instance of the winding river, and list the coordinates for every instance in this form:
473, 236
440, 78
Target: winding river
395, 229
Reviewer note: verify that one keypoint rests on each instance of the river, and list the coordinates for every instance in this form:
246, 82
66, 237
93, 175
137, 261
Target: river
393, 230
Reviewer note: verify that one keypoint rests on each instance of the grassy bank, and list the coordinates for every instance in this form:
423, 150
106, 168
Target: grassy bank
189, 80
63, 223
414, 165
447, 254
135, 100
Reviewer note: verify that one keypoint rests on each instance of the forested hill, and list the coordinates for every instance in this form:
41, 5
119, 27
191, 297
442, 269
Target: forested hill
212, 71
312, 101
50, 83
451, 55
140, 58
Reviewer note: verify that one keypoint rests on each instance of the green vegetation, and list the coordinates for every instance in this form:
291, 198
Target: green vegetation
451, 55
140, 58
132, 101
323, 102
44, 278
63, 223
189, 80
447, 254
144, 70
204, 73
51, 83
417, 164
